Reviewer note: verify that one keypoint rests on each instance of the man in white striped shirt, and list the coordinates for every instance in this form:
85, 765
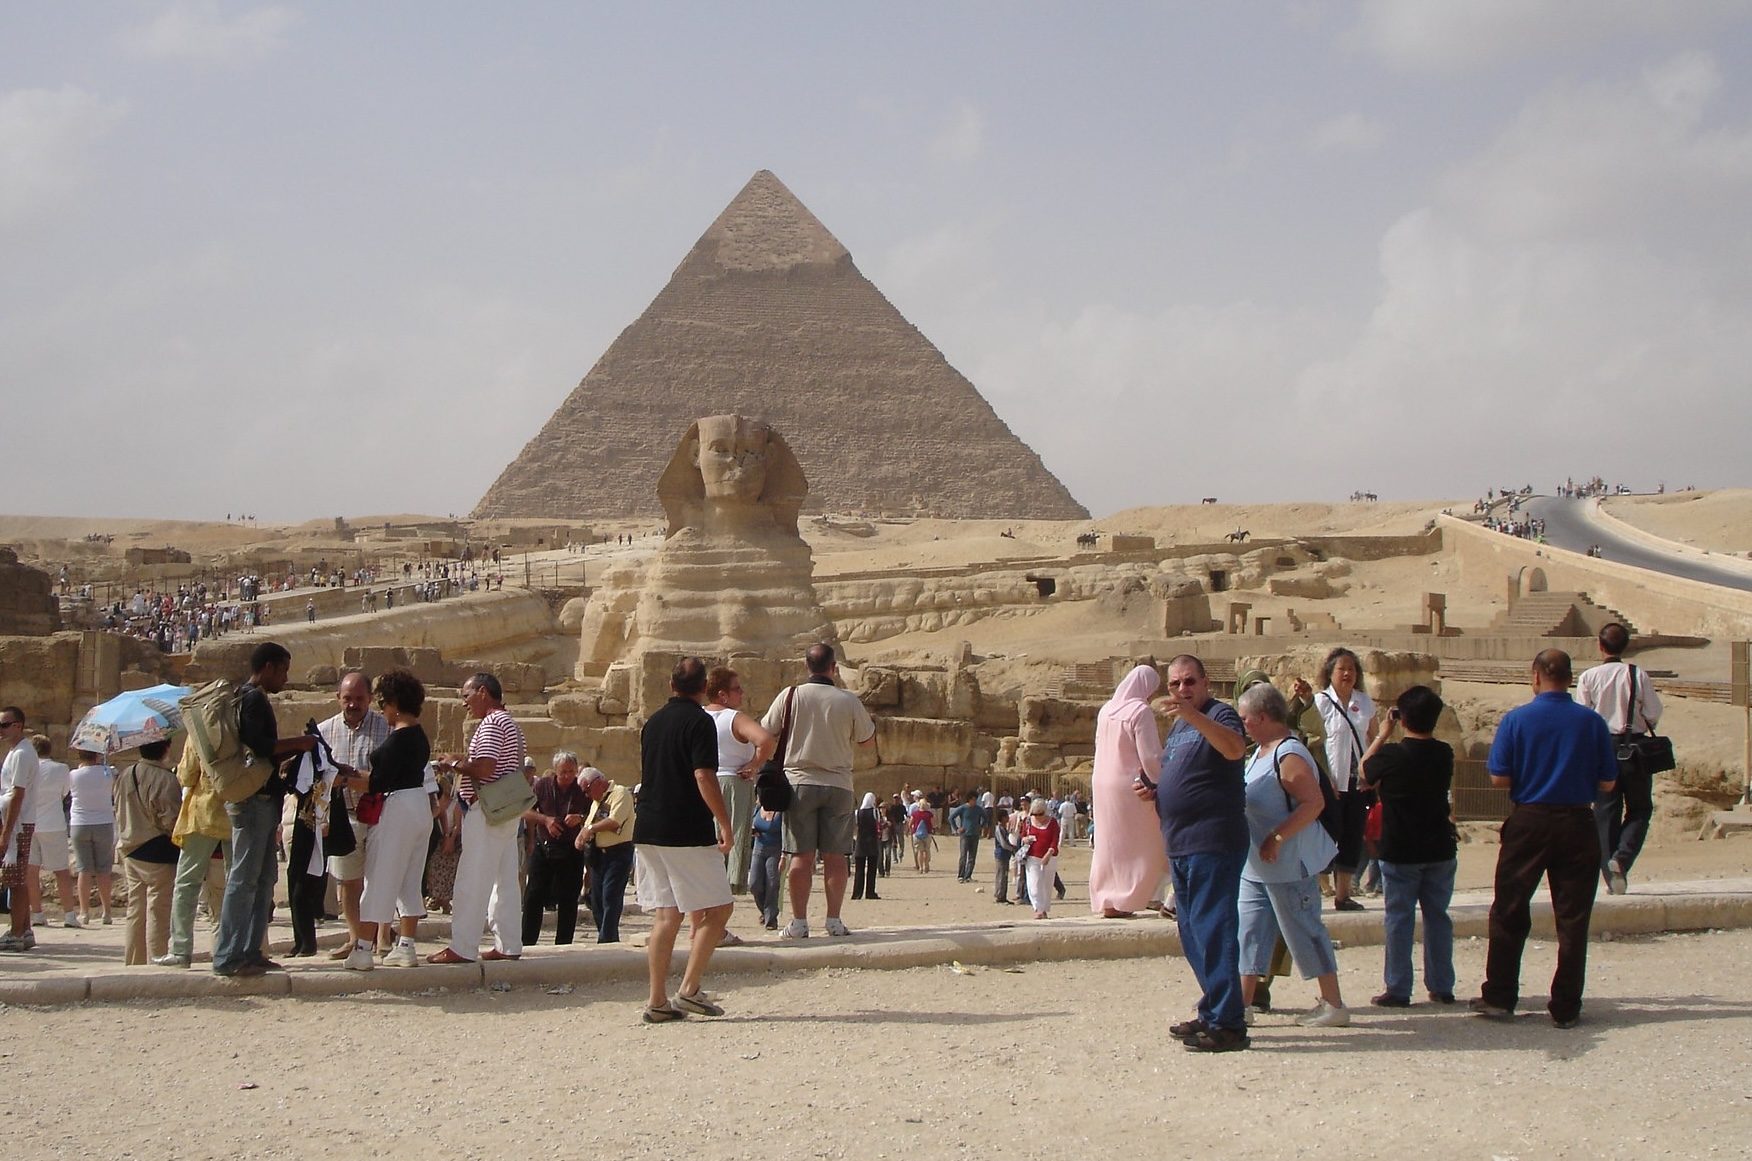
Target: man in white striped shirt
486, 875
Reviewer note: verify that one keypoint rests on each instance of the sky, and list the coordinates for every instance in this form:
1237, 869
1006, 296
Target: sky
312, 259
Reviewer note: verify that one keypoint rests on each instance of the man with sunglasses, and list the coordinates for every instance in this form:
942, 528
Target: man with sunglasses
1200, 798
18, 776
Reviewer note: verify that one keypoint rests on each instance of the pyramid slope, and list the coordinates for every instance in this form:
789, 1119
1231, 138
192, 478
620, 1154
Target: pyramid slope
767, 316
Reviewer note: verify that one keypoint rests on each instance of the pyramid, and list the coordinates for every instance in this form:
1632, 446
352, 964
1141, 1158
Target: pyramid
767, 317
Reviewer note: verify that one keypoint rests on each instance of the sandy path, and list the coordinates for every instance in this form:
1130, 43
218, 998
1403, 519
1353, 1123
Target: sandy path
1067, 1057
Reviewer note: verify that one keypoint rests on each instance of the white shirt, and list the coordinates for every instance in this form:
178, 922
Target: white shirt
1605, 689
1347, 733
51, 788
91, 788
18, 776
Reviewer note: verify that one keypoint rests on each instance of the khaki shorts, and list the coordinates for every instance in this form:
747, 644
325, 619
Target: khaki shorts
820, 819
48, 850
351, 868
685, 878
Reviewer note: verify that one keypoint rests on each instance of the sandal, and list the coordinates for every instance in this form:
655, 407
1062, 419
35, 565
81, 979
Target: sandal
494, 953
662, 1015
447, 955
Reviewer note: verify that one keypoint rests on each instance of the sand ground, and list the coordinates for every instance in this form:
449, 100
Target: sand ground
1044, 1060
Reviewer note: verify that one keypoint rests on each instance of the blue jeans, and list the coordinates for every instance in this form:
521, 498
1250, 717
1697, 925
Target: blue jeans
608, 890
763, 882
1289, 909
1208, 890
249, 882
1410, 886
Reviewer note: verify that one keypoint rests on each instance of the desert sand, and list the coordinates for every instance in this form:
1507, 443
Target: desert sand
1716, 520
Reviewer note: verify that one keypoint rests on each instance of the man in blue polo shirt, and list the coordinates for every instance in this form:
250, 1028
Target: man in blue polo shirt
1200, 800
1555, 757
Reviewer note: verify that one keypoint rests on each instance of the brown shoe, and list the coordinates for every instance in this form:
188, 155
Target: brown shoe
343, 951
446, 955
495, 954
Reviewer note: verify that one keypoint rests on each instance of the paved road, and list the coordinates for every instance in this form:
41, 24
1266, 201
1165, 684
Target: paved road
1567, 526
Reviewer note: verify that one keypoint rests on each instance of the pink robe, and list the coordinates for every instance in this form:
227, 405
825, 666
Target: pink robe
1129, 859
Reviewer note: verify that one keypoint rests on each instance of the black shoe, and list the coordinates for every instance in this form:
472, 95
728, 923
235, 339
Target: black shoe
1441, 997
1262, 997
872, 895
1566, 1022
857, 896
267, 964
1219, 1040
1348, 905
1186, 1029
1389, 1000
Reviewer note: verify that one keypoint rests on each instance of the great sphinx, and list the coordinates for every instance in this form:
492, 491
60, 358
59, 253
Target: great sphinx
732, 574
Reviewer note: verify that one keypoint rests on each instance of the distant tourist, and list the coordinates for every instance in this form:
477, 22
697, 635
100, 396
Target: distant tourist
91, 828
1555, 758
1418, 846
397, 855
202, 830
18, 776
556, 866
1128, 862
744, 745
1623, 695
48, 849
352, 734
826, 723
763, 875
1040, 845
607, 841
147, 801
867, 849
1200, 799
969, 822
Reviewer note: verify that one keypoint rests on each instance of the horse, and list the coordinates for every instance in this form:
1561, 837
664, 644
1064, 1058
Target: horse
1238, 536
1208, 500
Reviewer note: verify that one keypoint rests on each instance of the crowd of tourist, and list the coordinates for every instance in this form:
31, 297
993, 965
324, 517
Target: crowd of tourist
1247, 813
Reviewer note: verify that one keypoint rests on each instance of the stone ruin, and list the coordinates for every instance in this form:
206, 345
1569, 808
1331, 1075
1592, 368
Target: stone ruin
768, 316
28, 607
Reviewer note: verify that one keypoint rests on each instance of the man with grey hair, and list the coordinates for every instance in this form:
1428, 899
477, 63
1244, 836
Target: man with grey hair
607, 842
351, 736
556, 865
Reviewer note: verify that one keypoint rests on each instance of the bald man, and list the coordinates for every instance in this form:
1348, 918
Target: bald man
351, 736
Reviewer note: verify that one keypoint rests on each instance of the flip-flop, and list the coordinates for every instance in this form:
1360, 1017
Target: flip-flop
495, 954
447, 955
662, 1015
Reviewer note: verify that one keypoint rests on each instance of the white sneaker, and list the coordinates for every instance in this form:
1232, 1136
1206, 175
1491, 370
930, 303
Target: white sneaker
796, 929
1247, 1015
401, 955
836, 926
1325, 1015
360, 959
38, 919
71, 920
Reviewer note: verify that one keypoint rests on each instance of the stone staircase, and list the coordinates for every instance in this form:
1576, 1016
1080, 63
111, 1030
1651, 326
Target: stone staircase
1557, 615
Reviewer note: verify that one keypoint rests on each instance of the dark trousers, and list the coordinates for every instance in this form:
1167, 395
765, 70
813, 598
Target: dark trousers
1622, 816
304, 896
969, 850
609, 871
864, 875
1561, 844
556, 872
1001, 886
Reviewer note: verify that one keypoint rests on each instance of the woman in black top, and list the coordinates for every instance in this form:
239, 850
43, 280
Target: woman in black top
396, 856
1418, 844
866, 848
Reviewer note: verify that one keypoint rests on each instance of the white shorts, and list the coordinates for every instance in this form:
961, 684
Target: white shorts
685, 878
49, 850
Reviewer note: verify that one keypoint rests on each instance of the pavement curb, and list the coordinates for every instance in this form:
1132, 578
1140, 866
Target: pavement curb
996, 944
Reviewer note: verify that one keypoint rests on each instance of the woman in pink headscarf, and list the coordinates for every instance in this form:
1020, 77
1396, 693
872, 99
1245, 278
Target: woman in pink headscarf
1129, 859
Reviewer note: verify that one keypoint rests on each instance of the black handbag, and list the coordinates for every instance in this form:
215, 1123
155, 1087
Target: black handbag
1650, 752
771, 786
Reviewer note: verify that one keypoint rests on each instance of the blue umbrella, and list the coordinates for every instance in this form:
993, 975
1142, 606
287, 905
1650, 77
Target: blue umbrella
138, 717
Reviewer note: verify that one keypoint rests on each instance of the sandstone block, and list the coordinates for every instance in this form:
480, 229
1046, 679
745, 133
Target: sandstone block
1035, 756
1053, 720
880, 688
577, 709
924, 693
923, 742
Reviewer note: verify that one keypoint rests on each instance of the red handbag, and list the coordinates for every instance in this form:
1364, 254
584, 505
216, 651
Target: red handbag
370, 808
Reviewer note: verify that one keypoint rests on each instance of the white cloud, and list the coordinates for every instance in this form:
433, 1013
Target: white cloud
1444, 36
200, 30
962, 135
1350, 133
45, 135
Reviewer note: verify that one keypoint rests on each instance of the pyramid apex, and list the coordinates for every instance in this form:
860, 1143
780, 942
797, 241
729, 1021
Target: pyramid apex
765, 228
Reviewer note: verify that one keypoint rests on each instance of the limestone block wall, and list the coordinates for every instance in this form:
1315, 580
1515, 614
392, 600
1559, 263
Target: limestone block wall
28, 606
488, 625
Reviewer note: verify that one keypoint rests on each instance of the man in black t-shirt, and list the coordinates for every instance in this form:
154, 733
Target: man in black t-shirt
249, 881
678, 851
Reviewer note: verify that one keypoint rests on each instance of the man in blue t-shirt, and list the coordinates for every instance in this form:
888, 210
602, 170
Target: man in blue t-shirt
1554, 757
1200, 800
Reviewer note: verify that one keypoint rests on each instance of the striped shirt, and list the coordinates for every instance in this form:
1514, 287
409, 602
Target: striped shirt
500, 738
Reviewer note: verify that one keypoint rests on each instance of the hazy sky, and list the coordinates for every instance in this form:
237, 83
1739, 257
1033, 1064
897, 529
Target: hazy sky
315, 259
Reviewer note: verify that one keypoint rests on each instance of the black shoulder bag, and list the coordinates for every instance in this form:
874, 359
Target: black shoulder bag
1649, 752
1331, 814
771, 786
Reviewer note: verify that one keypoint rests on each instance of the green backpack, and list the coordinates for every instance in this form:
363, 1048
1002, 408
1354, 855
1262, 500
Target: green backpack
232, 768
